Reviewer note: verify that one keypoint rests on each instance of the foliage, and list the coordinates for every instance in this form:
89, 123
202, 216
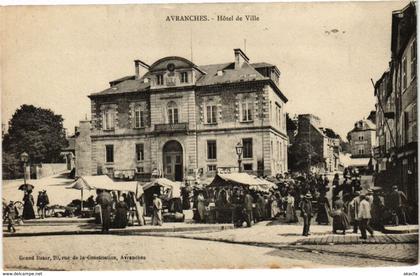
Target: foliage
11, 166
301, 155
37, 131
290, 125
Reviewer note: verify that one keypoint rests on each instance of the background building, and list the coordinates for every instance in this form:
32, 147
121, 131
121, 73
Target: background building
178, 119
323, 144
362, 139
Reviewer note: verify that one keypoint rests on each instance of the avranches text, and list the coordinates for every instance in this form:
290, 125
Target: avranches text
195, 18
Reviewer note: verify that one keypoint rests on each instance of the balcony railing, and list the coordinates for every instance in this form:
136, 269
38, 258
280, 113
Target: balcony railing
178, 127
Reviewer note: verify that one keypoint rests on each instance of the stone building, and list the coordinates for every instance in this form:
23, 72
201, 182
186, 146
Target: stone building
396, 108
362, 139
83, 149
178, 119
324, 142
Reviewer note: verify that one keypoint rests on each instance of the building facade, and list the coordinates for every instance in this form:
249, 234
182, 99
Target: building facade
396, 93
362, 139
324, 142
179, 119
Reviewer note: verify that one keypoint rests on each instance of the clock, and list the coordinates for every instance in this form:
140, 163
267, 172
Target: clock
171, 67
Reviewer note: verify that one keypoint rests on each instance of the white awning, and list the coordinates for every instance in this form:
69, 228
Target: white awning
103, 182
359, 162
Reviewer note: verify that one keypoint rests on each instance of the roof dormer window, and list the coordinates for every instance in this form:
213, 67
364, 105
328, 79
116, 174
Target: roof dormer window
220, 73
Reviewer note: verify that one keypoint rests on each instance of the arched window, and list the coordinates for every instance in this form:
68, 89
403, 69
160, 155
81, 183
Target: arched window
172, 113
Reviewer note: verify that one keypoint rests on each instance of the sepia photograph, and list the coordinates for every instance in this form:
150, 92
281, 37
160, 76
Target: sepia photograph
209, 136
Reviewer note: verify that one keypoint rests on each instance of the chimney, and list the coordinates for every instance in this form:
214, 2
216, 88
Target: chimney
137, 64
240, 58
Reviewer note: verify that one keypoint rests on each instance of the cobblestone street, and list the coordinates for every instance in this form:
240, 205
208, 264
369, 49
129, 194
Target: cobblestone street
148, 252
353, 256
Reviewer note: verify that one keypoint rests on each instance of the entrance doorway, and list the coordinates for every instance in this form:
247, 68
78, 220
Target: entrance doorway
172, 161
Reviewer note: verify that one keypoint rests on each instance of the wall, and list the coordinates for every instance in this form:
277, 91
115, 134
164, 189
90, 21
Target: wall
124, 154
367, 143
83, 150
48, 169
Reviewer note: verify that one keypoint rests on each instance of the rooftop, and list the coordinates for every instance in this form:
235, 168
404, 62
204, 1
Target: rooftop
211, 75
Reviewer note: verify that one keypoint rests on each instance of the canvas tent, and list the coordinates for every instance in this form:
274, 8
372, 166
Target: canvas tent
175, 187
103, 182
243, 179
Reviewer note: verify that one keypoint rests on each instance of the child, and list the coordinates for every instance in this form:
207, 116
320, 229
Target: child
11, 212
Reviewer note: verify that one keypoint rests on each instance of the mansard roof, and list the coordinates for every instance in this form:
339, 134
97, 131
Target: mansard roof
228, 74
127, 86
210, 75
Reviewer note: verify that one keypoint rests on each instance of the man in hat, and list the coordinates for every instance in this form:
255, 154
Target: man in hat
354, 211
396, 200
364, 216
104, 199
248, 201
306, 213
157, 211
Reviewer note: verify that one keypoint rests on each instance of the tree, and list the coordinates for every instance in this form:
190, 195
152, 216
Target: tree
298, 157
290, 124
37, 131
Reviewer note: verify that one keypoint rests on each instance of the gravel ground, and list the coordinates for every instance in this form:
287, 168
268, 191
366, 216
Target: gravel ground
146, 253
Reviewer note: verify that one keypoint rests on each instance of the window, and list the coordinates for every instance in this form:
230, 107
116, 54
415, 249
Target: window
406, 126
211, 150
211, 114
247, 150
139, 152
361, 151
108, 119
211, 168
184, 77
140, 169
109, 153
139, 118
279, 121
159, 79
361, 138
404, 73
248, 167
246, 111
413, 61
172, 113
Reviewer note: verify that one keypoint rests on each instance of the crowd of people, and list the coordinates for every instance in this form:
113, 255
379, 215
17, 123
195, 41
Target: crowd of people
348, 204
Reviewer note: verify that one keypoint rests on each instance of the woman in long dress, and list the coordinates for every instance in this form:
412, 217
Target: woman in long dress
201, 206
340, 219
275, 210
28, 206
121, 214
290, 209
323, 210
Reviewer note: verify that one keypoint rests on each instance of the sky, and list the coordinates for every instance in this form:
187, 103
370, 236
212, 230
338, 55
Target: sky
55, 56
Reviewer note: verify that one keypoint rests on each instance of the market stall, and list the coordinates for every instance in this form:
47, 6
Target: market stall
222, 188
103, 182
170, 194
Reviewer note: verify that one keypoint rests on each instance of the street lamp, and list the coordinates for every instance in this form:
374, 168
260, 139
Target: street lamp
239, 148
24, 157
